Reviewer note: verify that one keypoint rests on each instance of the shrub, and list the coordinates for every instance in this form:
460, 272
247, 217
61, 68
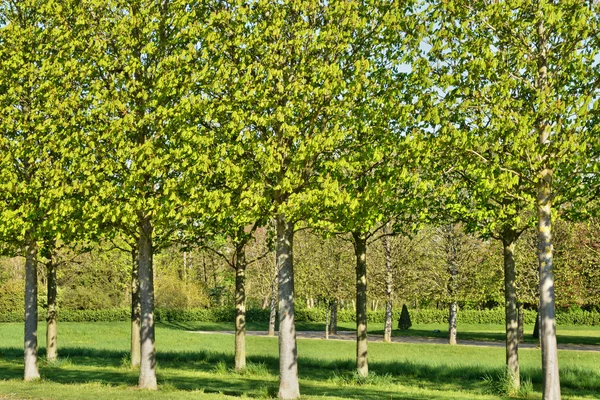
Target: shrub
226, 314
404, 321
11, 298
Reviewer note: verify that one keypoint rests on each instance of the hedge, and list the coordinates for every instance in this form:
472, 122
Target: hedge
225, 314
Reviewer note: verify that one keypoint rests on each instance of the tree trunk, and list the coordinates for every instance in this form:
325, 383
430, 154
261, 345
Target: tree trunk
147, 349
240, 308
452, 322
389, 281
31, 313
551, 381
135, 310
510, 303
51, 321
520, 332
333, 321
288, 352
360, 249
327, 318
273, 304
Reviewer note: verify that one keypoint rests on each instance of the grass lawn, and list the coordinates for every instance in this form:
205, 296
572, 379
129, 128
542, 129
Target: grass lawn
582, 335
93, 364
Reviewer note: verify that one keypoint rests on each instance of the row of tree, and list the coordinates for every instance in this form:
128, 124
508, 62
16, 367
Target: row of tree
201, 278
179, 121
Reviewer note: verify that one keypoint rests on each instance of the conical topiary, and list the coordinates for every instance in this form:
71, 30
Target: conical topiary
404, 321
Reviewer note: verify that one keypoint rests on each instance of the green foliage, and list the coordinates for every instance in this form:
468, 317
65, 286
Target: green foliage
227, 314
85, 298
404, 321
11, 298
172, 293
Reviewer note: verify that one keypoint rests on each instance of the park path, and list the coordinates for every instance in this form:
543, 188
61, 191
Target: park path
351, 335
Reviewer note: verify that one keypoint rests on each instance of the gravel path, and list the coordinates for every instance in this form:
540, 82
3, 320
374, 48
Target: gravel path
351, 335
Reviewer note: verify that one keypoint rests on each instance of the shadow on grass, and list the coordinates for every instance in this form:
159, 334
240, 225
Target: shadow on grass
424, 333
82, 365
489, 336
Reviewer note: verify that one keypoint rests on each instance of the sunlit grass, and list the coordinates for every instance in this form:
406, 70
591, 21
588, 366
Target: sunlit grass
93, 364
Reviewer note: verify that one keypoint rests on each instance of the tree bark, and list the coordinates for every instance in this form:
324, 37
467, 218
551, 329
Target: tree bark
333, 321
288, 352
31, 314
135, 310
551, 381
453, 311
147, 349
327, 318
273, 304
510, 303
360, 249
51, 318
389, 281
520, 332
240, 308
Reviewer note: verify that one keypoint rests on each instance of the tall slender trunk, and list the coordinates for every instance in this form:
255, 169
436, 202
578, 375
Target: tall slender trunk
333, 321
453, 311
51, 318
288, 352
327, 318
551, 381
240, 308
31, 313
521, 322
135, 310
273, 303
510, 303
360, 249
389, 280
147, 349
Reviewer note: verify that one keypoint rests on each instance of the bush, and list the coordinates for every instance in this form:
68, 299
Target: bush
171, 293
12, 295
227, 314
404, 321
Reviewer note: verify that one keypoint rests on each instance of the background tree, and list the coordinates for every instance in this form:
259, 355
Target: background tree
530, 68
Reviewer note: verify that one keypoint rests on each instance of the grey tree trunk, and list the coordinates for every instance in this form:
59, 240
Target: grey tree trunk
240, 308
136, 323
389, 281
453, 311
520, 332
273, 304
147, 349
327, 318
510, 303
31, 313
288, 352
51, 318
333, 321
360, 249
551, 381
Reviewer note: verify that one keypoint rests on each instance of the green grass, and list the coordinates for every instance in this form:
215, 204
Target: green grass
93, 364
579, 335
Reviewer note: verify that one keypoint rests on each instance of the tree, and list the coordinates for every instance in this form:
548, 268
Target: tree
526, 70
39, 115
145, 60
302, 78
